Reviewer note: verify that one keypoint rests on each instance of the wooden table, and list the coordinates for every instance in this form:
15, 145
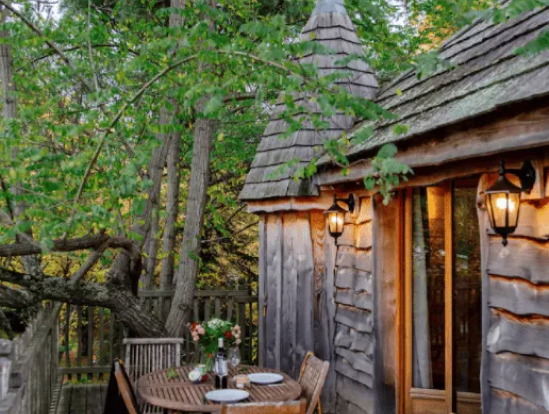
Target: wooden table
179, 394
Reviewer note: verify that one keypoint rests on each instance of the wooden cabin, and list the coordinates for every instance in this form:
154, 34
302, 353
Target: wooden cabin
419, 307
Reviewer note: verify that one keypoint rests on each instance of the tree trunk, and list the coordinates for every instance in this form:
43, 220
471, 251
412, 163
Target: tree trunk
176, 20
180, 312
172, 210
31, 263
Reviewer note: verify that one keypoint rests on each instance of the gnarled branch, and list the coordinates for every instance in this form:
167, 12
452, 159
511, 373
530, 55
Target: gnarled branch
71, 245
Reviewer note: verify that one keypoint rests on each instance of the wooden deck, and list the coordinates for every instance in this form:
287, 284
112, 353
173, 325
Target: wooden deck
82, 399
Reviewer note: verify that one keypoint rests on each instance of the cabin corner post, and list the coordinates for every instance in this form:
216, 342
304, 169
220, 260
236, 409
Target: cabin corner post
484, 225
387, 282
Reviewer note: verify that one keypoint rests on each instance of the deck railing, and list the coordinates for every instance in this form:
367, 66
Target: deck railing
28, 365
92, 337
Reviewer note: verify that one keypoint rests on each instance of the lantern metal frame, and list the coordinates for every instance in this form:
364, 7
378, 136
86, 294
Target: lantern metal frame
527, 176
336, 208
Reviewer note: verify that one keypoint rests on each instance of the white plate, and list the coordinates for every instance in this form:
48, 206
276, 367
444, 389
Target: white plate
227, 396
265, 378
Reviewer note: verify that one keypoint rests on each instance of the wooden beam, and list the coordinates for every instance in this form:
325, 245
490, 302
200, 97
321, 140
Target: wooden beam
526, 130
408, 300
448, 298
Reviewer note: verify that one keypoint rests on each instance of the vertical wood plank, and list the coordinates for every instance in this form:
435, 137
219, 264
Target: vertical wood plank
101, 358
290, 255
91, 312
305, 339
207, 308
408, 299
242, 324
330, 247
79, 335
195, 310
67, 337
273, 289
111, 337
399, 308
230, 308
449, 302
218, 307
262, 304
484, 225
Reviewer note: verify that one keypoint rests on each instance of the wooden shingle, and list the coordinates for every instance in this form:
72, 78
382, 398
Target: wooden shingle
270, 176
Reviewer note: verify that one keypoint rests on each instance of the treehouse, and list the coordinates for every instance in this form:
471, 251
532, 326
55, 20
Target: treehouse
437, 301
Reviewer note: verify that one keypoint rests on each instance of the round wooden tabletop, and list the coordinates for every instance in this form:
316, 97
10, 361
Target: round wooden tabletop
179, 394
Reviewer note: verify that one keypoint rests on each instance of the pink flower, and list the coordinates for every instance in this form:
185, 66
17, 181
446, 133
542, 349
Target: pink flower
195, 336
200, 330
238, 341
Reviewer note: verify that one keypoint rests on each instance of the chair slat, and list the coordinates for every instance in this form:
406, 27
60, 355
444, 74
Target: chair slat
145, 355
312, 377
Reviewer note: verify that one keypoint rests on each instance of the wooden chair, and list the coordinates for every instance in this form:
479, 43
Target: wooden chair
292, 407
145, 355
125, 389
311, 378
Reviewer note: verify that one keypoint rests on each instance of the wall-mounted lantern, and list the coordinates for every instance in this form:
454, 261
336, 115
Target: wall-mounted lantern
503, 199
335, 216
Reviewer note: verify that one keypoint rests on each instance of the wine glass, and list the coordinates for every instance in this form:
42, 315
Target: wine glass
234, 357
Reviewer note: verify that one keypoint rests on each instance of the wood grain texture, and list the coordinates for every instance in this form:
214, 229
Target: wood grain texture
521, 375
273, 286
525, 130
519, 296
262, 293
289, 306
351, 257
305, 288
292, 407
508, 403
178, 394
525, 336
527, 260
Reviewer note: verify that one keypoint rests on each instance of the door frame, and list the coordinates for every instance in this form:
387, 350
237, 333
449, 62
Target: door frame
444, 400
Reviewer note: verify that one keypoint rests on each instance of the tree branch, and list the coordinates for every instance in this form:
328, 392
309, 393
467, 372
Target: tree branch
71, 245
110, 295
90, 262
16, 299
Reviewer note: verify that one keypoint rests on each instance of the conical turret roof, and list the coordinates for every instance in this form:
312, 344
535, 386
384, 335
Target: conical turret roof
331, 26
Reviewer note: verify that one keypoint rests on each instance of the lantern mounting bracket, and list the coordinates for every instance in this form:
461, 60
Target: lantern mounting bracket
526, 174
350, 201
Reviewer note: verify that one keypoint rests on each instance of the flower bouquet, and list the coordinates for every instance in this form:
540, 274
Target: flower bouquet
206, 336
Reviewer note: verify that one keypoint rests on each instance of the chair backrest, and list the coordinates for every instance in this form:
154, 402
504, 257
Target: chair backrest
145, 355
311, 378
292, 407
125, 389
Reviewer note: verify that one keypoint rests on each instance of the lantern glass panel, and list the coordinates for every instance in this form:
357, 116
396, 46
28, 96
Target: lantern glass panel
336, 221
504, 210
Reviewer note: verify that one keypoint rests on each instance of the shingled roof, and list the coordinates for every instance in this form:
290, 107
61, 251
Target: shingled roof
487, 74
331, 26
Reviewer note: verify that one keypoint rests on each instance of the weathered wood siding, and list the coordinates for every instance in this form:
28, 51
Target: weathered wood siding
296, 293
516, 314
354, 342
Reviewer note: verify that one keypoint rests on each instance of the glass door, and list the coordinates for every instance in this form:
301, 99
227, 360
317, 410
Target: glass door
442, 300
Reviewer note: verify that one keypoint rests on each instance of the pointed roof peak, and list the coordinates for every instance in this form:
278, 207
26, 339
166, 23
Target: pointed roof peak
330, 6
